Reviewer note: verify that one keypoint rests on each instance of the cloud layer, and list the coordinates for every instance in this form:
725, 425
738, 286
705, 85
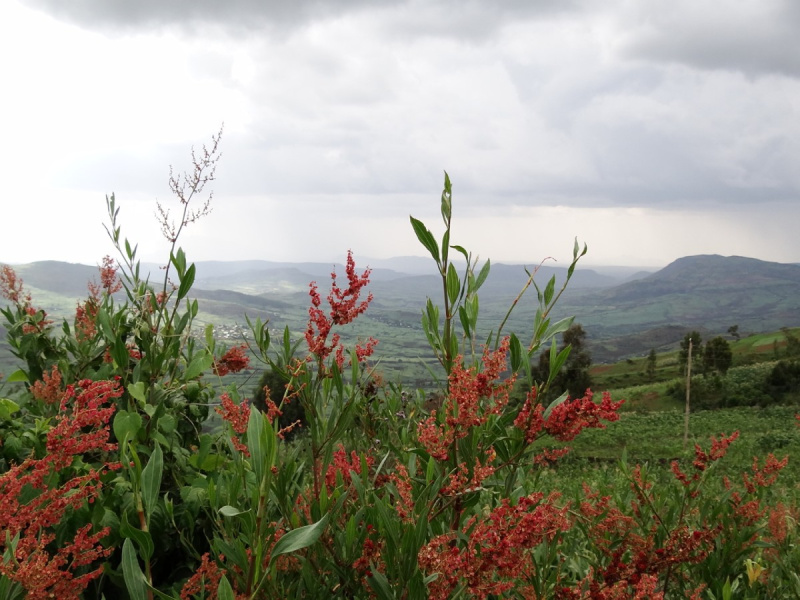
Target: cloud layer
685, 107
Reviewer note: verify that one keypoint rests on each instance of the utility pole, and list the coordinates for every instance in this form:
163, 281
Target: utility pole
688, 395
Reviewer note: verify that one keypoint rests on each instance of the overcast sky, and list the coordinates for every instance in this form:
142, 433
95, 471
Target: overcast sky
650, 130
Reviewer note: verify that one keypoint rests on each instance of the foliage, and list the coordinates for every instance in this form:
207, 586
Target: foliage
115, 481
717, 356
574, 377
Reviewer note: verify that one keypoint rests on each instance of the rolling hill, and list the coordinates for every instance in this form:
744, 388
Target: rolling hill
623, 315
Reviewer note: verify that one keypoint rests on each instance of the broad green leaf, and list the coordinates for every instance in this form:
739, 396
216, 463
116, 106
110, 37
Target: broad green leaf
136, 390
17, 376
199, 364
7, 408
151, 480
426, 238
187, 281
126, 425
135, 581
167, 423
299, 538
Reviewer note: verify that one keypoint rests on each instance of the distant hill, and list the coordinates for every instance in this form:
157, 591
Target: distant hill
624, 312
711, 291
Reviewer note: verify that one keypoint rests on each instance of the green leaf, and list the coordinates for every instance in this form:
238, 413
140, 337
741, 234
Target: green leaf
151, 480
7, 408
453, 284
560, 400
426, 238
549, 290
299, 538
17, 376
256, 443
136, 390
224, 589
380, 585
142, 538
199, 364
187, 281
179, 260
135, 580
231, 511
517, 352
464, 318
126, 425
167, 423
482, 275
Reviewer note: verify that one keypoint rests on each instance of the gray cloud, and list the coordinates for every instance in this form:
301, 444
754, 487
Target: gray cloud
754, 37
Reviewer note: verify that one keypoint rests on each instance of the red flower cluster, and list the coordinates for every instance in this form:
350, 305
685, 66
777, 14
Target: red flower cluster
719, 447
238, 416
11, 286
342, 465
39, 568
473, 396
345, 307
566, 420
233, 361
496, 555
48, 390
109, 280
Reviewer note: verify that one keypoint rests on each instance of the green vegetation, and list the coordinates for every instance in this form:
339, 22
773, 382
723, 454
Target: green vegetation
133, 465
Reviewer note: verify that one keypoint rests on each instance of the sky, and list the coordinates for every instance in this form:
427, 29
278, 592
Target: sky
648, 130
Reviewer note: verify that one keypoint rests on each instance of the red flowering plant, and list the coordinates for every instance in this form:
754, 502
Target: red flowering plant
47, 550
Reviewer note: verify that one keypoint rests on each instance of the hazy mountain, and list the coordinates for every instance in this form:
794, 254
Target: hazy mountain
624, 311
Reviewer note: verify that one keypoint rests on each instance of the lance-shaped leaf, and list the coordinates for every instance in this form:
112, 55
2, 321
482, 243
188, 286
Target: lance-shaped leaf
151, 480
426, 238
299, 538
135, 580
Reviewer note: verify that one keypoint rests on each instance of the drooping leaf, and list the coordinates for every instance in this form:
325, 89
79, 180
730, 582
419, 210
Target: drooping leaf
426, 238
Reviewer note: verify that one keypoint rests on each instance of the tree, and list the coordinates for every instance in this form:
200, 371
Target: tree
733, 331
697, 344
717, 356
650, 367
290, 411
574, 375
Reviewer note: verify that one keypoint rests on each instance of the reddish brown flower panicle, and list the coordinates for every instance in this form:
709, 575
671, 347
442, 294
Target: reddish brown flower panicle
11, 286
569, 418
345, 305
48, 390
238, 416
233, 361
